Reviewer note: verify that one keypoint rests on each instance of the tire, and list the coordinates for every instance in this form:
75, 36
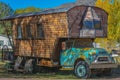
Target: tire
107, 72
82, 70
18, 63
28, 68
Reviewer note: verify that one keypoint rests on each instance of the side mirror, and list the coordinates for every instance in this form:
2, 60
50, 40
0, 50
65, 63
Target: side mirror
63, 46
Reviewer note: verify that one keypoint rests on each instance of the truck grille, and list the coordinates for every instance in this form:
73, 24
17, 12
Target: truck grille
103, 59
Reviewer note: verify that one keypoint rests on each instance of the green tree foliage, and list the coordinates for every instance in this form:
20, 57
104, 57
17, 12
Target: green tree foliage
113, 9
5, 10
114, 21
26, 10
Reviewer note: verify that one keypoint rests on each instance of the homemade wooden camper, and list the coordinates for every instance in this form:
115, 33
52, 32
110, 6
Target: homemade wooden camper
39, 35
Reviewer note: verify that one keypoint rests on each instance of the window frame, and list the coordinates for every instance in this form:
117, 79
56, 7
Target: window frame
19, 32
28, 31
40, 29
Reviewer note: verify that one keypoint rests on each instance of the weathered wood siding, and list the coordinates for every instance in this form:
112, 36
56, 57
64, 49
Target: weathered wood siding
54, 26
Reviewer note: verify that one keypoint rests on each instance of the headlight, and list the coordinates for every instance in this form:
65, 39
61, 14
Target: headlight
94, 57
114, 55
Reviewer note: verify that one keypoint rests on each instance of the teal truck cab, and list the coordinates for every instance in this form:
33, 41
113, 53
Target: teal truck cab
81, 56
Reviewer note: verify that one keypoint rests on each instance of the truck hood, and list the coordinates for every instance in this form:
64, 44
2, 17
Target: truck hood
69, 56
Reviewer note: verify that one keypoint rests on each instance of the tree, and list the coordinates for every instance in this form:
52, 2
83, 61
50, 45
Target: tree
85, 2
5, 27
5, 10
112, 7
26, 10
114, 21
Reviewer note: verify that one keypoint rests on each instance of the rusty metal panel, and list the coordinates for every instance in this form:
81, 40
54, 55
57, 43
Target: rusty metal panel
74, 19
98, 22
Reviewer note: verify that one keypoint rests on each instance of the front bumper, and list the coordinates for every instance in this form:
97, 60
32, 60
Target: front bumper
103, 65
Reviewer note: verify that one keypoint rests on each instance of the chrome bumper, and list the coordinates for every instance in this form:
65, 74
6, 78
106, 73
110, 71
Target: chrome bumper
103, 65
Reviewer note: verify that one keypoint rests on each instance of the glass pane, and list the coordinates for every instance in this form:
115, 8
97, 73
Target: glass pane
97, 24
19, 32
88, 24
91, 20
28, 31
93, 24
40, 32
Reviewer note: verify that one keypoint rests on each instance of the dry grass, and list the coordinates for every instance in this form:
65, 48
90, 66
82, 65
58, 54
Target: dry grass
62, 74
49, 74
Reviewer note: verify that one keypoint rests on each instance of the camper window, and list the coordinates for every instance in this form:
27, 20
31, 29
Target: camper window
40, 31
19, 32
28, 31
91, 19
97, 23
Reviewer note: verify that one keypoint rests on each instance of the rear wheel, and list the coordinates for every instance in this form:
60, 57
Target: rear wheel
28, 68
82, 70
18, 63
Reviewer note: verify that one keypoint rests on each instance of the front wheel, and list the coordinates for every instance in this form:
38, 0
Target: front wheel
82, 70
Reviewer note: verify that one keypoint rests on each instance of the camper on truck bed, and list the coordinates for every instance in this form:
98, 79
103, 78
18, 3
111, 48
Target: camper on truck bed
40, 38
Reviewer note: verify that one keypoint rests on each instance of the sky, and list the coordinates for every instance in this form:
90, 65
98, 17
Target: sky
17, 4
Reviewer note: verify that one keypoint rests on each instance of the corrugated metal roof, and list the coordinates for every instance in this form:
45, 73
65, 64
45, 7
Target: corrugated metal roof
49, 11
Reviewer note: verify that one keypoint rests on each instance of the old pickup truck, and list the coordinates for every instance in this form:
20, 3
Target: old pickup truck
81, 56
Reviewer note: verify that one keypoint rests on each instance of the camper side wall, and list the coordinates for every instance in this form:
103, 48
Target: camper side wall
36, 36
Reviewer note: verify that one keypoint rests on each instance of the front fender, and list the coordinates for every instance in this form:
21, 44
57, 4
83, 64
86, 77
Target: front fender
69, 57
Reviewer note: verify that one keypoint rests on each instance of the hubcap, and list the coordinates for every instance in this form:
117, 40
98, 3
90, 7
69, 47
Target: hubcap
81, 70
